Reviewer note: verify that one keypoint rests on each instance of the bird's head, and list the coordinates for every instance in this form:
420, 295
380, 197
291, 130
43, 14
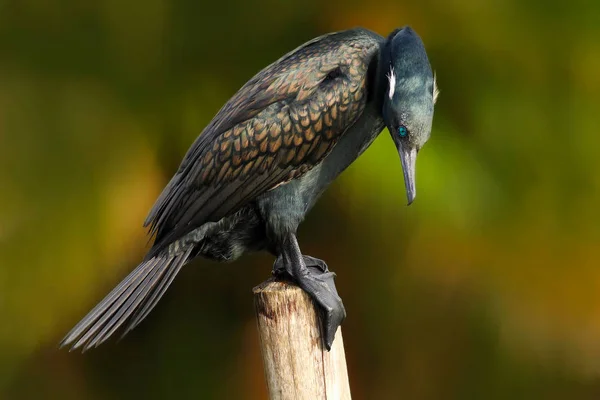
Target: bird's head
410, 95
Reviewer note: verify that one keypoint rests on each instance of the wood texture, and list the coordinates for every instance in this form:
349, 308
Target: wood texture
297, 365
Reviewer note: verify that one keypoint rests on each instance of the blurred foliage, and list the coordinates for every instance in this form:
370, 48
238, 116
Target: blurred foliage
487, 287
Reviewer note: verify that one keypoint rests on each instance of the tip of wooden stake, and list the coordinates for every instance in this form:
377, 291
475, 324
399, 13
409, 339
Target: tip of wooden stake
297, 365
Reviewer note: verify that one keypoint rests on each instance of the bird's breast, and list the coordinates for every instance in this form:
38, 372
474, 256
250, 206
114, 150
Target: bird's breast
351, 145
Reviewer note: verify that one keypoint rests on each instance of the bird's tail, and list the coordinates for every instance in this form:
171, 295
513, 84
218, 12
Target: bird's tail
130, 302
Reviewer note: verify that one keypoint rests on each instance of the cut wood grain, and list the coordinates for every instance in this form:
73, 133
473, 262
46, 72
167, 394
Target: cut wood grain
297, 365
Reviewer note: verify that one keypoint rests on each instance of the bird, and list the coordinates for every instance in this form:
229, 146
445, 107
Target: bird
259, 166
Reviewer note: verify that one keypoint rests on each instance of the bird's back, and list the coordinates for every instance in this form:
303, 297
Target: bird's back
277, 127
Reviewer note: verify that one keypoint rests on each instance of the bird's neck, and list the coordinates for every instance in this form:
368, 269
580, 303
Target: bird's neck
355, 141
366, 129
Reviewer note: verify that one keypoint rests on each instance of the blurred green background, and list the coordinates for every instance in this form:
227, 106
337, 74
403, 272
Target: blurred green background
488, 287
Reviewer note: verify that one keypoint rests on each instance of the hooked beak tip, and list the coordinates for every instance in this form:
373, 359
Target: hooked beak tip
408, 158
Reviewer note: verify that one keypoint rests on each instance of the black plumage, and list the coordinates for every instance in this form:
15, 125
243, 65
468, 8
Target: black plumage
260, 165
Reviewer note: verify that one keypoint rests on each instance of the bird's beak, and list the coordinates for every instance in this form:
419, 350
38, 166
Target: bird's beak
408, 156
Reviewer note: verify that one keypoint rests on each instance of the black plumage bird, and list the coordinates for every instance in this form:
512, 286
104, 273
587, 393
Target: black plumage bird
259, 166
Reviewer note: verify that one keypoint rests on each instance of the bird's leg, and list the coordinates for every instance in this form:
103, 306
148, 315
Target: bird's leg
317, 281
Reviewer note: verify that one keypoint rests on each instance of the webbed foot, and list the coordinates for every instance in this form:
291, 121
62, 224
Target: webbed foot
313, 276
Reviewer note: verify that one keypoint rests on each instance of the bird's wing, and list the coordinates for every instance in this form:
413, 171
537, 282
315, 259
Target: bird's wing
278, 126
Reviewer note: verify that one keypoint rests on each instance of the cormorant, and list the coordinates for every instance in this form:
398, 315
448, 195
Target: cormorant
260, 165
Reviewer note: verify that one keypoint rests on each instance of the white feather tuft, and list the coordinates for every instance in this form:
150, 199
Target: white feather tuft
392, 82
436, 91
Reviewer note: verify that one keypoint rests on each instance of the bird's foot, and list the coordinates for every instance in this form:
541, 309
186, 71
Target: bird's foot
314, 264
318, 282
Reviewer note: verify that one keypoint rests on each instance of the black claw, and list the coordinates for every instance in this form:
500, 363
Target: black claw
332, 319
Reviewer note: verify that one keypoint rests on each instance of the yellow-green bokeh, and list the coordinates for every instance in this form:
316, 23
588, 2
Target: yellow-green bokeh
486, 288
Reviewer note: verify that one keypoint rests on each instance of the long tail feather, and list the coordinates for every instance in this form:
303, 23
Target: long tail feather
132, 300
157, 292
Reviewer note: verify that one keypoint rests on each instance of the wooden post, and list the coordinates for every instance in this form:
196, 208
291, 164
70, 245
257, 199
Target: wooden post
297, 365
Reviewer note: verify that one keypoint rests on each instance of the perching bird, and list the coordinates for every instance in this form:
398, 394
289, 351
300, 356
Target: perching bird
260, 165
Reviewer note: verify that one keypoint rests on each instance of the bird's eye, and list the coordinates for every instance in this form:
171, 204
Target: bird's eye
402, 131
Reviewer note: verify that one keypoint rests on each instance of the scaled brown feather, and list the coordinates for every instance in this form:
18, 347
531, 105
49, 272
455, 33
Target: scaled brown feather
278, 126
